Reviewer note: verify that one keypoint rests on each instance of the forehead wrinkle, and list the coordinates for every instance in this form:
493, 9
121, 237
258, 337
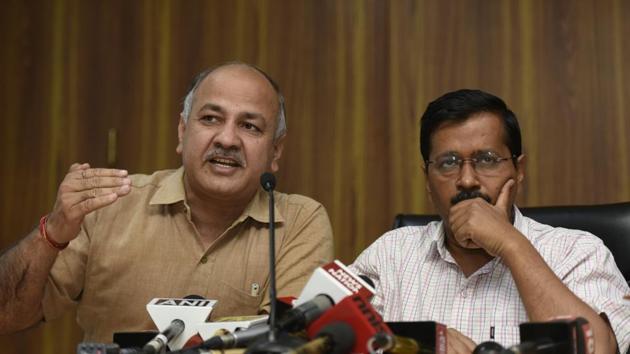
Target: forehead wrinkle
252, 115
217, 108
212, 107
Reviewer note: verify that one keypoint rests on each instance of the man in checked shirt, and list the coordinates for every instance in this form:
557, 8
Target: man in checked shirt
485, 268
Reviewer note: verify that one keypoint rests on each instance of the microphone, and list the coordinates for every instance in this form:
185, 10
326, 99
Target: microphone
300, 316
337, 281
159, 342
328, 284
235, 339
191, 311
271, 345
295, 319
177, 326
268, 181
357, 312
490, 347
334, 338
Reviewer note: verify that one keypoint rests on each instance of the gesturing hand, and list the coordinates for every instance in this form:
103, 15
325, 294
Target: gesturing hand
82, 191
476, 223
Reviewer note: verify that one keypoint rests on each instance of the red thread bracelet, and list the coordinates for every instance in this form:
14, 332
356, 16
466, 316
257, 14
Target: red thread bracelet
49, 241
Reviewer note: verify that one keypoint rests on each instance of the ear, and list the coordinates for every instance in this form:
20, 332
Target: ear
520, 169
427, 185
181, 129
428, 189
519, 176
278, 146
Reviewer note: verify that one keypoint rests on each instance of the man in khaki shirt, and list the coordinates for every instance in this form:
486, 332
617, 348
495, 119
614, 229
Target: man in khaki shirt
201, 229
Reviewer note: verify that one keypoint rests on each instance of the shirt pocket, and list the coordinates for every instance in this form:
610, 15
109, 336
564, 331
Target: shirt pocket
234, 302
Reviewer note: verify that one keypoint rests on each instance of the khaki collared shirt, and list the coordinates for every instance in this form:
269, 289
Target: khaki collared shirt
145, 246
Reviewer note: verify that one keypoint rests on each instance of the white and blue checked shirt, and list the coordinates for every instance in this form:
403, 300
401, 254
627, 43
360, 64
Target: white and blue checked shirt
417, 279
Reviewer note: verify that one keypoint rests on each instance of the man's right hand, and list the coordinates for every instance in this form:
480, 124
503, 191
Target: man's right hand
82, 191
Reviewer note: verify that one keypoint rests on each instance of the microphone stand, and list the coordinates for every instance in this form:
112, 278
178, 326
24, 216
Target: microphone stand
272, 345
269, 182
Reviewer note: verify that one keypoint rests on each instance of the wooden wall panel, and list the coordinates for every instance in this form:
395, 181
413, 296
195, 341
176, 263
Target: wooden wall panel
357, 75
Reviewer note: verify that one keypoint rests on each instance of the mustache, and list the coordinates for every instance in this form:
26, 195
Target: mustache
220, 152
465, 195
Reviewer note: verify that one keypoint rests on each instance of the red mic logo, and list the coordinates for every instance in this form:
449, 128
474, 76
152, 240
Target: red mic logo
347, 279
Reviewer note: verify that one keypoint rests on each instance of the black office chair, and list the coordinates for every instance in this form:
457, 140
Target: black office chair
610, 222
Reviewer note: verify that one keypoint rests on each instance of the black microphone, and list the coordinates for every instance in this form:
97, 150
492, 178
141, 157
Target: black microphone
295, 319
234, 339
490, 347
158, 343
272, 345
268, 181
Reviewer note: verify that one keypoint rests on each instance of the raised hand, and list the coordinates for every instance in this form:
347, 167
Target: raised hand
476, 223
83, 190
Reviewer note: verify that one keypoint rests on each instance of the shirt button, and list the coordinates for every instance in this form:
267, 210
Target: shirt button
204, 260
464, 293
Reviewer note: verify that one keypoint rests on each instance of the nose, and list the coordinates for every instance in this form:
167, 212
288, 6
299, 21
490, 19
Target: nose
467, 178
227, 137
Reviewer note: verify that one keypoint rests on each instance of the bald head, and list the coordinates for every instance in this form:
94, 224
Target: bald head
234, 68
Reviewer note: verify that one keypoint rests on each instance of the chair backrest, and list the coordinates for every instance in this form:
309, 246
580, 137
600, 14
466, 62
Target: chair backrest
610, 222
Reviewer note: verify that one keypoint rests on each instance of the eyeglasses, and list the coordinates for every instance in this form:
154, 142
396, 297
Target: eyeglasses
484, 163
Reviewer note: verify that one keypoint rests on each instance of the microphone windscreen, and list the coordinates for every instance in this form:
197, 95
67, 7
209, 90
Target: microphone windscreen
489, 347
268, 181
